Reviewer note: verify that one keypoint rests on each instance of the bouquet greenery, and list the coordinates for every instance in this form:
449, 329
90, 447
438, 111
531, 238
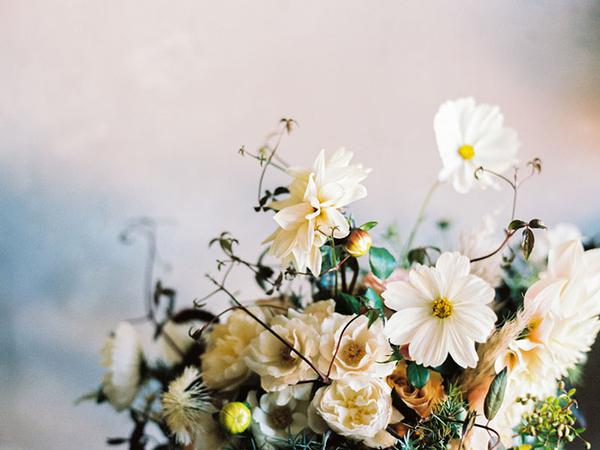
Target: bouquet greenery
397, 346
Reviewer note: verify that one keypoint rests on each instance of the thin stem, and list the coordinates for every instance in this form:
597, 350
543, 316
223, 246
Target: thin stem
225, 311
262, 160
322, 376
355, 270
515, 192
268, 162
420, 217
339, 343
343, 273
509, 234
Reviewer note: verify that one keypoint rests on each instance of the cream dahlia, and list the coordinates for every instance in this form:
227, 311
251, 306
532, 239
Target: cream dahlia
440, 311
311, 214
471, 136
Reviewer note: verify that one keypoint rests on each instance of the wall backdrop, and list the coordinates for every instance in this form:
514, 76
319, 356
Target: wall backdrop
111, 110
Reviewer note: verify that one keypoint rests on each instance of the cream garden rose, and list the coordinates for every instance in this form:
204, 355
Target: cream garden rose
277, 365
358, 407
362, 349
223, 363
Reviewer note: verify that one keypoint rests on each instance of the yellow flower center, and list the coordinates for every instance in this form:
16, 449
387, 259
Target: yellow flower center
353, 353
466, 151
442, 308
281, 417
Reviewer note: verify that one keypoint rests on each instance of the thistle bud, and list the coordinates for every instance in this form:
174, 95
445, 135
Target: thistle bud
358, 243
235, 417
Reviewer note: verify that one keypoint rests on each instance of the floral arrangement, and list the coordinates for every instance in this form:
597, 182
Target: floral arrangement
394, 346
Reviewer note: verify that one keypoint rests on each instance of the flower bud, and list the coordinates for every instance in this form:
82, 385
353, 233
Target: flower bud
235, 417
358, 243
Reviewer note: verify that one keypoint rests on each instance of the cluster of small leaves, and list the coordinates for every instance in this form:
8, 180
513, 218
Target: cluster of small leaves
552, 422
407, 442
270, 196
527, 238
445, 423
421, 255
370, 303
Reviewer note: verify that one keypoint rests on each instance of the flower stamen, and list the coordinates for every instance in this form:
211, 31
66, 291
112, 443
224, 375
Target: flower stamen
442, 308
466, 151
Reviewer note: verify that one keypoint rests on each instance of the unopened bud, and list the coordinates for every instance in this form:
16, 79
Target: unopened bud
358, 243
235, 417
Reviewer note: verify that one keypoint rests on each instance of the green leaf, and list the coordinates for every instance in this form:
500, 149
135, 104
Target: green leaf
372, 315
537, 223
516, 225
382, 262
527, 242
348, 304
395, 356
495, 395
373, 300
329, 258
417, 255
418, 376
367, 226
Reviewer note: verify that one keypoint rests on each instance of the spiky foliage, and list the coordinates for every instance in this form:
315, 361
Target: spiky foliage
443, 425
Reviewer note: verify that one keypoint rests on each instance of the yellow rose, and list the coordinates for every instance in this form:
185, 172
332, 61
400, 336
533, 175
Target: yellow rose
420, 400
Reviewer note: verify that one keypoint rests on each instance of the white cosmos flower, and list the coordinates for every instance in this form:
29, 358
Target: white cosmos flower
122, 356
471, 136
358, 407
362, 349
186, 404
311, 214
440, 310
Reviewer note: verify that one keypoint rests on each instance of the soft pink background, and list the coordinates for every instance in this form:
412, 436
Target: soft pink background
113, 109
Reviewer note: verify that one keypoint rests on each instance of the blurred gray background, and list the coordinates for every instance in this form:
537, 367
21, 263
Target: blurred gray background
111, 110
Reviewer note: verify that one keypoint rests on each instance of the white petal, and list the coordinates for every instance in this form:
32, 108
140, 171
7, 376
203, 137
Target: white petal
453, 265
402, 326
289, 218
400, 295
427, 281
